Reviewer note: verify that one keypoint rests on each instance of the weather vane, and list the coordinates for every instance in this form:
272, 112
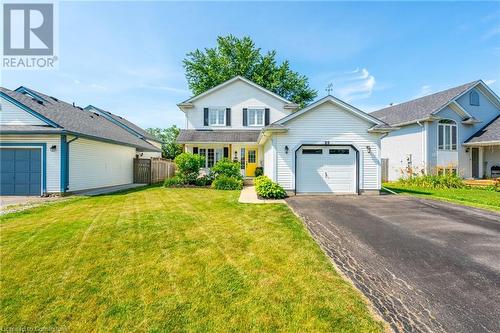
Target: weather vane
329, 88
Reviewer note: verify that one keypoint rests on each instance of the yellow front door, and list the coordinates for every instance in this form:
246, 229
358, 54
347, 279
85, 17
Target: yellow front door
251, 162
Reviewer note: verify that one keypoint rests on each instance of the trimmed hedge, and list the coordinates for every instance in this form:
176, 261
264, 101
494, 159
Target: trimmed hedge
227, 168
223, 182
268, 189
175, 181
188, 166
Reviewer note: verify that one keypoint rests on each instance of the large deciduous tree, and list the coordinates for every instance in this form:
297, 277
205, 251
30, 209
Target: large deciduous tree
168, 136
238, 56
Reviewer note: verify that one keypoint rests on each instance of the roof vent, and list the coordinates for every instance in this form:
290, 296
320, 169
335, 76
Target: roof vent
97, 114
38, 101
73, 104
80, 107
55, 99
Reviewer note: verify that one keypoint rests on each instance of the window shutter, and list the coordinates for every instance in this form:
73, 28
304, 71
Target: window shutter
228, 116
266, 117
195, 150
245, 120
226, 152
205, 116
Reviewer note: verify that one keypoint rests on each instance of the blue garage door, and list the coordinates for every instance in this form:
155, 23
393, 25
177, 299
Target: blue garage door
21, 172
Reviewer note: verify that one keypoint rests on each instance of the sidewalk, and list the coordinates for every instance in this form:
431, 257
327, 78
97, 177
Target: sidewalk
248, 195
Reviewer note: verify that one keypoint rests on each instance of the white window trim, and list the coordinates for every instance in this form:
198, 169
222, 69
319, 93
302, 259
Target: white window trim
217, 109
451, 135
255, 117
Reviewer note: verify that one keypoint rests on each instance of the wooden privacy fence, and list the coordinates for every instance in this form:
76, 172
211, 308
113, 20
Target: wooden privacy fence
152, 170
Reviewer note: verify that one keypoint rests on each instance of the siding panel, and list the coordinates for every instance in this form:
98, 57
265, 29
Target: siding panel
95, 164
11, 114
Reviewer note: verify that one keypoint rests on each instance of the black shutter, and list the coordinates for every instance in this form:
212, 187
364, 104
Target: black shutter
195, 150
226, 152
245, 120
205, 116
228, 116
266, 116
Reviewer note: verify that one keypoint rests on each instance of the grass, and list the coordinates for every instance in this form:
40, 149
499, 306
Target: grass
170, 260
475, 197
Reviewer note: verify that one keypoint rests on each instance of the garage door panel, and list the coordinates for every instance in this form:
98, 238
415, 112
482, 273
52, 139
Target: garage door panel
331, 171
21, 171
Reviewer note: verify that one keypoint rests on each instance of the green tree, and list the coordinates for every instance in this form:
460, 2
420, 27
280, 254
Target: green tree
168, 136
238, 56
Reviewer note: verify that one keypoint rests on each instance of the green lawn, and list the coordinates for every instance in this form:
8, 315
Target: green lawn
475, 197
170, 260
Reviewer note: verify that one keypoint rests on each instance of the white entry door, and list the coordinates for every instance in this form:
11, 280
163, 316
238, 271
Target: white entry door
326, 169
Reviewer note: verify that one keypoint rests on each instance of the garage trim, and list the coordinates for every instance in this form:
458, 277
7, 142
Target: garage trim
325, 145
43, 147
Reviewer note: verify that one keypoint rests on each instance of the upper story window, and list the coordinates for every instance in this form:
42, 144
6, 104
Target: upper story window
255, 117
474, 98
217, 116
447, 134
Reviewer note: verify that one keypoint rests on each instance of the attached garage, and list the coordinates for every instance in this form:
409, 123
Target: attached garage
327, 169
21, 171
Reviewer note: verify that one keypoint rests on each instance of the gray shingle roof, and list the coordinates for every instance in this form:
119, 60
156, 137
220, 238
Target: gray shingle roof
422, 107
490, 132
229, 136
127, 123
78, 121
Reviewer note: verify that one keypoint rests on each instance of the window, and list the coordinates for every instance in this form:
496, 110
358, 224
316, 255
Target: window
312, 151
447, 135
210, 158
474, 98
339, 151
251, 156
255, 117
217, 116
211, 155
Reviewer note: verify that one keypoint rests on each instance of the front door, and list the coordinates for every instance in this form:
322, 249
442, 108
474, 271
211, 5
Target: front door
475, 162
251, 161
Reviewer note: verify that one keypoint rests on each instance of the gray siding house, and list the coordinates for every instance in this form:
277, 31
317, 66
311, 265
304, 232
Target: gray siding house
453, 130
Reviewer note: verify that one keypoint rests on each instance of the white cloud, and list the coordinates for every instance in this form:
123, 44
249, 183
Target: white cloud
490, 82
352, 85
491, 33
424, 91
166, 88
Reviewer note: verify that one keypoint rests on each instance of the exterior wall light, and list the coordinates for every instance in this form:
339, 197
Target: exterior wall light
369, 149
53, 148
286, 149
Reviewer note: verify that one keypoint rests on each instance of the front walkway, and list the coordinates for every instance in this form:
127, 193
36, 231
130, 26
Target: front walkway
248, 195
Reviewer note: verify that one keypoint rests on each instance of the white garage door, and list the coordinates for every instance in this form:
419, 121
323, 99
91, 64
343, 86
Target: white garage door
326, 169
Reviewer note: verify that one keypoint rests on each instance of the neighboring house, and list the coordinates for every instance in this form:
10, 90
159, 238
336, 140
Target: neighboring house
327, 147
455, 129
49, 146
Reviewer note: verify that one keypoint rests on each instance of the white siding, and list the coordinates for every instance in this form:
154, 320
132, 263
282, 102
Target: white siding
11, 114
269, 153
398, 145
329, 122
95, 164
237, 96
53, 157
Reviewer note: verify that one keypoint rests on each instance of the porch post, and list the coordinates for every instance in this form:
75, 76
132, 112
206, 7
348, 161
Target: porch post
481, 163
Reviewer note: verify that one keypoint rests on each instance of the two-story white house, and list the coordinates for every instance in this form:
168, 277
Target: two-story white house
326, 147
457, 129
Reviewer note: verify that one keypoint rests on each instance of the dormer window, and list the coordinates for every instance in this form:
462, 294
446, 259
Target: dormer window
447, 135
474, 98
217, 116
255, 117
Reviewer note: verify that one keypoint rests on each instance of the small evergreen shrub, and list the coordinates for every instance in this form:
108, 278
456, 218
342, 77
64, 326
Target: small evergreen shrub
188, 166
268, 189
227, 168
223, 182
259, 171
175, 181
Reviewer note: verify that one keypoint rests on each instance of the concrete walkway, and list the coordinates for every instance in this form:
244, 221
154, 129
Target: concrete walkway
248, 195
108, 190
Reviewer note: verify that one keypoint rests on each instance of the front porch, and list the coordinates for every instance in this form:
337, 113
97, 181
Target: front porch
484, 160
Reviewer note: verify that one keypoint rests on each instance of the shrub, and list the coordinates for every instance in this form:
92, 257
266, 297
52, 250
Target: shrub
223, 182
188, 166
227, 168
268, 189
259, 171
204, 180
449, 180
175, 181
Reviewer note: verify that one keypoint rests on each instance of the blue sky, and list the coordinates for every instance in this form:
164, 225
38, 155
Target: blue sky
126, 57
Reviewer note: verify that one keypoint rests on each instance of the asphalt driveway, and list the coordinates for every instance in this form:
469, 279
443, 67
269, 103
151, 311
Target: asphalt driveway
426, 266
